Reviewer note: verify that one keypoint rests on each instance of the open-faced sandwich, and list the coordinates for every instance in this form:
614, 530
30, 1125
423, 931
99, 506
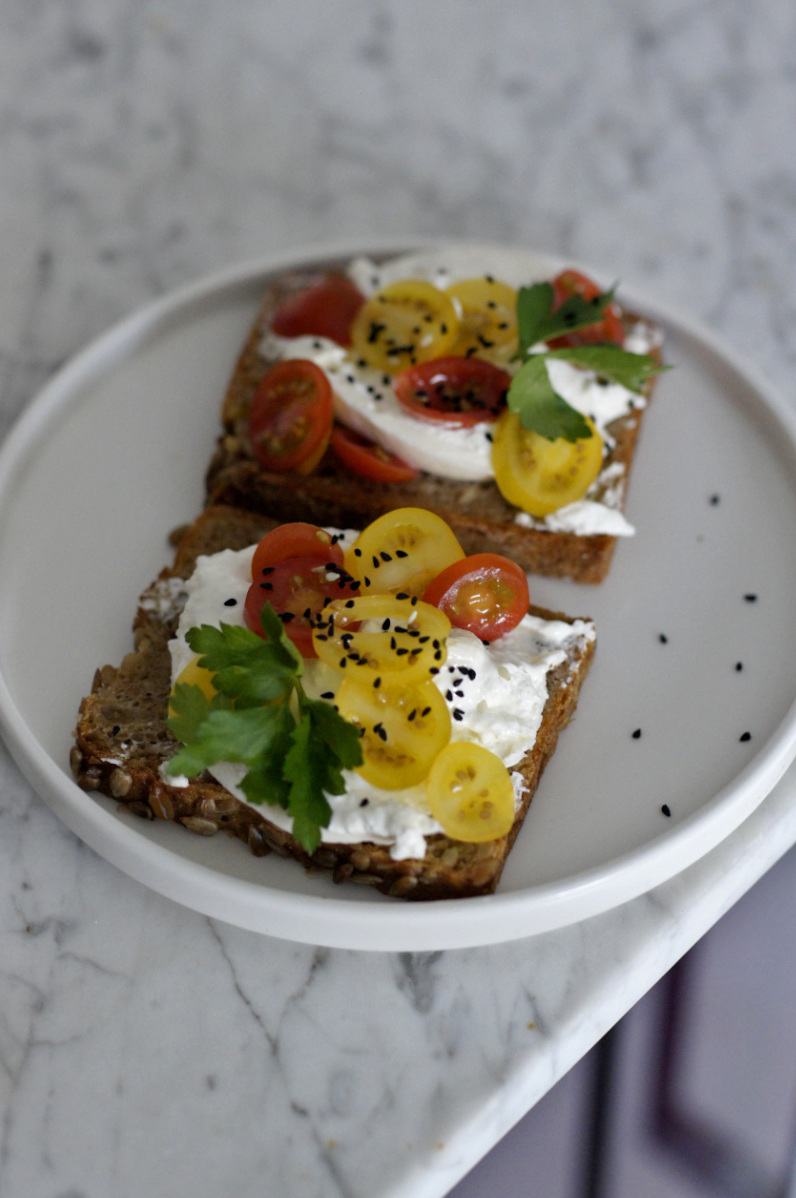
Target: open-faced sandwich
508, 406
374, 703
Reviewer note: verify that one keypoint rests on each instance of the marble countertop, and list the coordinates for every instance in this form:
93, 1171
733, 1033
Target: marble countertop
145, 1049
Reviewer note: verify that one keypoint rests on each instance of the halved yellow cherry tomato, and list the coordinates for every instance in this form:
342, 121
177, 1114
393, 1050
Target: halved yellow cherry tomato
401, 551
403, 729
470, 793
538, 475
406, 322
378, 636
195, 675
487, 319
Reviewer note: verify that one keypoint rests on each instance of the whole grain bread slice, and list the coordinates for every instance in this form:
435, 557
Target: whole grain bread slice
122, 742
481, 518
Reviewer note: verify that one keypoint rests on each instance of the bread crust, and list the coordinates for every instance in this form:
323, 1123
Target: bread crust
481, 518
122, 743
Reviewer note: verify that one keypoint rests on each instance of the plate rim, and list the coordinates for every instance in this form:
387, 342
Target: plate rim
325, 920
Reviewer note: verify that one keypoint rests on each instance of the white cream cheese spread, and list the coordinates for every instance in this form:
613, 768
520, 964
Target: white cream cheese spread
499, 691
364, 398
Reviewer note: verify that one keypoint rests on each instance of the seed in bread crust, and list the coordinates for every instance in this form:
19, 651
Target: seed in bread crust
120, 783
204, 827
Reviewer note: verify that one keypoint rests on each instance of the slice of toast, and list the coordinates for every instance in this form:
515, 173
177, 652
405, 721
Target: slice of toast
122, 742
481, 518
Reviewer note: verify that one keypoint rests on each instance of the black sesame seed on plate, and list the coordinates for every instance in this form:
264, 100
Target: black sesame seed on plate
750, 598
230, 603
637, 734
739, 666
715, 500
745, 736
663, 638
666, 810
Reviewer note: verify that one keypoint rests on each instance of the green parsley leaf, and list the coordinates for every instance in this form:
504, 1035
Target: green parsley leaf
238, 735
190, 706
248, 669
611, 362
341, 737
291, 764
531, 393
306, 770
541, 409
265, 781
536, 320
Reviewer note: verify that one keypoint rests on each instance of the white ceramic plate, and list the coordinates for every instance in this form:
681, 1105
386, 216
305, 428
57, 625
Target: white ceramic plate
111, 456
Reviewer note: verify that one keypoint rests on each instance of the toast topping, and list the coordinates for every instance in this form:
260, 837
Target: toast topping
344, 752
575, 372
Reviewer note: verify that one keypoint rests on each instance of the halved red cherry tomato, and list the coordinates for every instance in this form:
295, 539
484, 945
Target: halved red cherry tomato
485, 593
459, 392
296, 588
291, 416
325, 310
295, 540
368, 459
609, 328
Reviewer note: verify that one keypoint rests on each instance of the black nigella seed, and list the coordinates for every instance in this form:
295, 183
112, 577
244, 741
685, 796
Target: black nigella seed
739, 666
750, 598
357, 553
377, 683
449, 696
327, 695
286, 616
745, 736
376, 562
401, 553
665, 809
367, 581
349, 603
402, 595
385, 557
115, 730
364, 802
266, 586
458, 714
230, 603
637, 734
268, 569
385, 624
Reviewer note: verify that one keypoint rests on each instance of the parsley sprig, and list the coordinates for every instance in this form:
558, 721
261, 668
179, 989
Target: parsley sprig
531, 393
292, 760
